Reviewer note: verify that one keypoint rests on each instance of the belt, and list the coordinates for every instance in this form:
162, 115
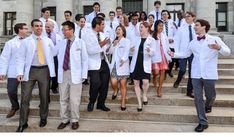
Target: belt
40, 67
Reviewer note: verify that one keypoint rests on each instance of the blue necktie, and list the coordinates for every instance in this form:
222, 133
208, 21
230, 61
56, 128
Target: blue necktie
190, 33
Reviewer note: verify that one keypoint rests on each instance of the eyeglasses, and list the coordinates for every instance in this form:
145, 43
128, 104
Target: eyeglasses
188, 16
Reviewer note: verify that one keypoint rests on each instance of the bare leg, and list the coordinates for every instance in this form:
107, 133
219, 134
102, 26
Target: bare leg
138, 92
145, 90
123, 88
155, 78
114, 85
161, 80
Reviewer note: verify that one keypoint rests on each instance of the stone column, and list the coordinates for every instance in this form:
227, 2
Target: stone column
24, 12
61, 6
205, 9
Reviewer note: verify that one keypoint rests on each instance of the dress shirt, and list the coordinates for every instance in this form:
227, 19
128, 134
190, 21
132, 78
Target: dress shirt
205, 60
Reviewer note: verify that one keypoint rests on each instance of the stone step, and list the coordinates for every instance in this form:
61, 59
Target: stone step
103, 125
168, 99
221, 72
156, 113
167, 88
221, 80
226, 63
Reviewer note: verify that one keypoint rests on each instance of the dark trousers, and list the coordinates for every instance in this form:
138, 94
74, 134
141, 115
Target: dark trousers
210, 94
99, 84
54, 80
12, 87
182, 71
171, 64
42, 77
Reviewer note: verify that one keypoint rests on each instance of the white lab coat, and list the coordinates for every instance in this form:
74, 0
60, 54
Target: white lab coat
181, 39
78, 60
149, 43
205, 60
26, 53
94, 50
120, 52
165, 44
8, 57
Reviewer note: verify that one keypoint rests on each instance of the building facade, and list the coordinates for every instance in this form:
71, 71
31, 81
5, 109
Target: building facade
220, 13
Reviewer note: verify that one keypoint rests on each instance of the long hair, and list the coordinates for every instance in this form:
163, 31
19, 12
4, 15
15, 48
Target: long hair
156, 28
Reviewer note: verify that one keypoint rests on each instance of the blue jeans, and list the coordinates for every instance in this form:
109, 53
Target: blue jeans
182, 71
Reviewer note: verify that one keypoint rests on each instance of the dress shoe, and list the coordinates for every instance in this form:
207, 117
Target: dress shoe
123, 108
55, 91
63, 125
176, 85
170, 74
208, 109
43, 123
115, 95
103, 108
11, 113
22, 128
75, 125
86, 82
190, 95
201, 127
90, 107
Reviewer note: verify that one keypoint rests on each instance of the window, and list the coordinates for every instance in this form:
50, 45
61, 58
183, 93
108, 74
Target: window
132, 5
221, 16
9, 22
52, 12
173, 8
88, 9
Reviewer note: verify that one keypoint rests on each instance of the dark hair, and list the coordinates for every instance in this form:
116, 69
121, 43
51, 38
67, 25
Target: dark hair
111, 12
156, 28
79, 16
147, 25
169, 15
144, 14
151, 15
96, 3
97, 21
43, 10
70, 25
101, 14
123, 29
68, 11
157, 2
191, 13
204, 23
34, 20
134, 15
117, 8
19, 26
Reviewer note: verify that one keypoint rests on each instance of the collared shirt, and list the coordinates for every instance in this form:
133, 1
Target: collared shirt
35, 61
181, 39
52, 37
72, 40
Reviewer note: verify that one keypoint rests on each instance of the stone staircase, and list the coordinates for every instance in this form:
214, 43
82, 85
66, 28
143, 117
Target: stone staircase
174, 112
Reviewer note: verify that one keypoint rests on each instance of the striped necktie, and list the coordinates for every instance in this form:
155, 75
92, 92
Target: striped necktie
67, 56
166, 25
40, 53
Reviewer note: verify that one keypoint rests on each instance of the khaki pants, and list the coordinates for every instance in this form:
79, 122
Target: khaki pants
70, 96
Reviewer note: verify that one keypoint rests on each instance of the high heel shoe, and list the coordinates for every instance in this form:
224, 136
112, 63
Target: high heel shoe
139, 109
145, 102
115, 95
123, 108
